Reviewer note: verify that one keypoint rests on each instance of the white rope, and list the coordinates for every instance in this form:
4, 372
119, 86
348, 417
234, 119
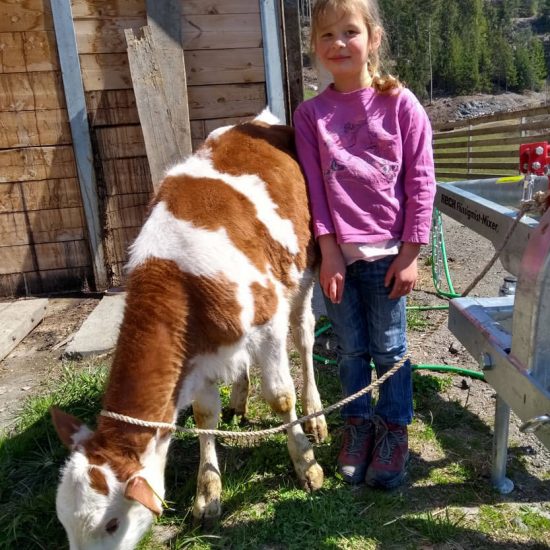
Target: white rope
255, 434
536, 204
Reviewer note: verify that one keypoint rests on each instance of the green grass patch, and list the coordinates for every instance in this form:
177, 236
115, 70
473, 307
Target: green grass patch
262, 505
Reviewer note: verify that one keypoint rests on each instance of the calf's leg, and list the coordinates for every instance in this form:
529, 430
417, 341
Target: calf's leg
206, 410
278, 390
302, 323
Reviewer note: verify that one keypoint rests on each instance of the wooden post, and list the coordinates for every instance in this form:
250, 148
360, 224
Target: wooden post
293, 54
82, 145
157, 66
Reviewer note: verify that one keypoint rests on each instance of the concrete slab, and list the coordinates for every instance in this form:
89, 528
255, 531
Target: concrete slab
99, 332
17, 319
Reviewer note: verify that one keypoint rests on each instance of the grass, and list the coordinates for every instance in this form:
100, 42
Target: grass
263, 507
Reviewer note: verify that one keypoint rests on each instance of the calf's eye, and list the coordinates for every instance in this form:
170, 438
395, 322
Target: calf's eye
112, 526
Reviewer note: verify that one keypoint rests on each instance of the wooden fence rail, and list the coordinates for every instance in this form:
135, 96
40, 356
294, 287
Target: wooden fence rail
487, 147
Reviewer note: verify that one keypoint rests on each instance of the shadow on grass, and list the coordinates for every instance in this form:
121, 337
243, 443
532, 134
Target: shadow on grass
263, 507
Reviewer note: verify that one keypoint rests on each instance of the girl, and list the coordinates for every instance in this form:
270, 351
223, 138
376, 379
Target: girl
365, 146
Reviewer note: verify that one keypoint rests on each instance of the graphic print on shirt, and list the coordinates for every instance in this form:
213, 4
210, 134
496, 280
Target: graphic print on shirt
334, 166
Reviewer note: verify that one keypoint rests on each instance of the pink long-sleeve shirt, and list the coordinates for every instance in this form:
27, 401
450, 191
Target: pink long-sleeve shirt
368, 162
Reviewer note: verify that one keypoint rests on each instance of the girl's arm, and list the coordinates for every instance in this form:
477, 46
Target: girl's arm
332, 274
333, 268
307, 147
419, 187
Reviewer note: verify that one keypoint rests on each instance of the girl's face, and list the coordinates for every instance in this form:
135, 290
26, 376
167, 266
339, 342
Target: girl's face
343, 45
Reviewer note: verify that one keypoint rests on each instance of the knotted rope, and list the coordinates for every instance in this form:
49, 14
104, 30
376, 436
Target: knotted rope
259, 433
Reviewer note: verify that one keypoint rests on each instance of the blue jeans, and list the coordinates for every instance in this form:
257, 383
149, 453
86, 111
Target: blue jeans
369, 325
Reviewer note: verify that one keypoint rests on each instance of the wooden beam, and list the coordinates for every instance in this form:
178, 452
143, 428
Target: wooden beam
160, 140
158, 74
76, 107
164, 20
293, 54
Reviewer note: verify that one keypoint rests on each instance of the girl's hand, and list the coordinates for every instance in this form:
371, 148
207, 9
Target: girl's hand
403, 271
333, 269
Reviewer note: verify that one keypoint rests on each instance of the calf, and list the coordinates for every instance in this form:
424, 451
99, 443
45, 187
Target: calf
220, 268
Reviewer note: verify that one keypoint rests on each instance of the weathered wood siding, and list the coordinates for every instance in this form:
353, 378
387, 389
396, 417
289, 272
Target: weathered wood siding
43, 245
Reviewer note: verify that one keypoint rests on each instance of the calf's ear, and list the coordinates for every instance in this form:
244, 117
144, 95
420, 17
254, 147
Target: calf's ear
138, 489
70, 429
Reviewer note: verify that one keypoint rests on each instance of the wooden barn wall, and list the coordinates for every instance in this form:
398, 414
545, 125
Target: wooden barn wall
43, 243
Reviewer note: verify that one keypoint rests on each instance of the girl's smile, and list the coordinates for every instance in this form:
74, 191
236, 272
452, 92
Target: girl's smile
343, 45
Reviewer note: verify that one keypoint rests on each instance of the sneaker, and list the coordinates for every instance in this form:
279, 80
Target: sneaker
356, 450
389, 457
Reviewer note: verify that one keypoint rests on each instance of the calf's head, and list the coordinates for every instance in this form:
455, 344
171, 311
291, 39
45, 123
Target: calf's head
107, 502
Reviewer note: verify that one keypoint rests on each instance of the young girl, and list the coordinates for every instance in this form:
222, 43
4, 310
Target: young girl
365, 146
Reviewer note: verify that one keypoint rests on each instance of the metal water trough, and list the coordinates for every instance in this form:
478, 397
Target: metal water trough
509, 335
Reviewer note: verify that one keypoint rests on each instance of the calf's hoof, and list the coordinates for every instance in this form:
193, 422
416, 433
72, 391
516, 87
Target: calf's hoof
206, 514
316, 428
312, 478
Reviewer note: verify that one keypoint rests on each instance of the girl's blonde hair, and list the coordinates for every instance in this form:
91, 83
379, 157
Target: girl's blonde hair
371, 14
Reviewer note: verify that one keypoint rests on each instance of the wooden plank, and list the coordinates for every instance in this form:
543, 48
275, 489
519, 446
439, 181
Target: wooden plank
11, 198
511, 153
507, 129
30, 15
164, 20
17, 320
497, 141
192, 7
106, 9
37, 163
292, 51
16, 259
112, 107
131, 216
231, 100
51, 193
120, 142
28, 128
105, 35
76, 107
62, 255
39, 226
116, 203
112, 72
480, 166
161, 138
108, 71
20, 284
39, 195
218, 32
129, 175
31, 91
224, 66
122, 238
28, 51
212, 32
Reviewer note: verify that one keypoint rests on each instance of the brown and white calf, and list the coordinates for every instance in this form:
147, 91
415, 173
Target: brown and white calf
220, 269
